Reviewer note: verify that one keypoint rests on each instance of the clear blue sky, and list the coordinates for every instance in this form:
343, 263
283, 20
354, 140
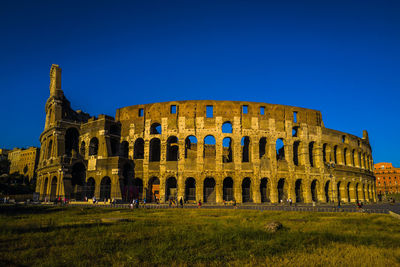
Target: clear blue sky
339, 57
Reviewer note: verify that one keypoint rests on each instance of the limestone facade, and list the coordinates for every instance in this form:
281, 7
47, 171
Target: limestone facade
24, 161
212, 151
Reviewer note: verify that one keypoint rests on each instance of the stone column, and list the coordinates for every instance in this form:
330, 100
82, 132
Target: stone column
256, 189
273, 190
218, 190
162, 188
181, 186
307, 190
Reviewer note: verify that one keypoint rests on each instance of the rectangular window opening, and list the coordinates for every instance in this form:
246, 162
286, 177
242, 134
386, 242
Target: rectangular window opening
141, 112
262, 110
210, 112
173, 109
295, 116
244, 109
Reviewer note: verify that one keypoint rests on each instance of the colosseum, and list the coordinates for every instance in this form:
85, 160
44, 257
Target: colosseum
213, 151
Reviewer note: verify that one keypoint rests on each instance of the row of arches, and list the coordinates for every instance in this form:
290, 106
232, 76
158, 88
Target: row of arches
346, 156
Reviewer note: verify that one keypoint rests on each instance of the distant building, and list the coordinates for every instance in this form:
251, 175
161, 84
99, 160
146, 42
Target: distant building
387, 178
24, 161
4, 153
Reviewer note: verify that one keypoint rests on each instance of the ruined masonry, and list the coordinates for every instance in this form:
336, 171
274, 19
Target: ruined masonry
213, 151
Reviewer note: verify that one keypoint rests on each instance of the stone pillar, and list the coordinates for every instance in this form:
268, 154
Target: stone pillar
255, 183
218, 190
273, 190
307, 191
162, 188
237, 188
181, 186
199, 188
291, 182
115, 187
321, 191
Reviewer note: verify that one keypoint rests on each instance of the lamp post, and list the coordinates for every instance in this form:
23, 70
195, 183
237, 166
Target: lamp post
331, 166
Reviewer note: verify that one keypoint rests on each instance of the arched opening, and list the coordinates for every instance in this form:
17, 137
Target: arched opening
280, 149
311, 153
191, 147
138, 149
124, 149
227, 155
93, 146
90, 187
83, 149
348, 193
49, 149
105, 188
345, 156
78, 181
114, 143
153, 190
314, 191
126, 185
45, 187
356, 191
363, 192
327, 191
71, 141
209, 147
209, 193
282, 190
138, 188
262, 146
353, 158
264, 189
154, 150
227, 127
246, 190
296, 146
245, 143
172, 149
53, 188
299, 191
335, 154
190, 189
171, 189
227, 189
295, 131
115, 130
324, 152
155, 128
339, 194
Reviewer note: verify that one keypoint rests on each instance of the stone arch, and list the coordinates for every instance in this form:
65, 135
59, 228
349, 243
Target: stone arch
265, 190
245, 145
246, 190
153, 189
357, 196
171, 189
227, 127
335, 154
227, 151
155, 128
105, 188
209, 194
227, 189
138, 149
46, 181
71, 141
138, 188
296, 158
348, 192
190, 189
124, 150
298, 188
172, 148
353, 158
339, 191
326, 191
191, 147
295, 131
280, 149
311, 154
90, 187
93, 146
53, 189
324, 152
78, 173
345, 156
314, 190
262, 147
209, 150
49, 149
83, 149
155, 150
282, 190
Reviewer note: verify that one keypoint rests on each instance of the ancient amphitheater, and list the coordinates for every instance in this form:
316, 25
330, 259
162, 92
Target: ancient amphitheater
213, 151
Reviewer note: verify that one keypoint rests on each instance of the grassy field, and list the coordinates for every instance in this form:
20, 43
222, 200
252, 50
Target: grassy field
73, 236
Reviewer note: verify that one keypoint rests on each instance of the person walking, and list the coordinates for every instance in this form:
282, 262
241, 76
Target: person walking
199, 205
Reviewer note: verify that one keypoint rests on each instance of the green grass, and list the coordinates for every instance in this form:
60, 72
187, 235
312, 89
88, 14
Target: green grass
73, 236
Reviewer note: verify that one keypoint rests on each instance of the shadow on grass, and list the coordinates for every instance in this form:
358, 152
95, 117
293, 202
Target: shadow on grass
12, 210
